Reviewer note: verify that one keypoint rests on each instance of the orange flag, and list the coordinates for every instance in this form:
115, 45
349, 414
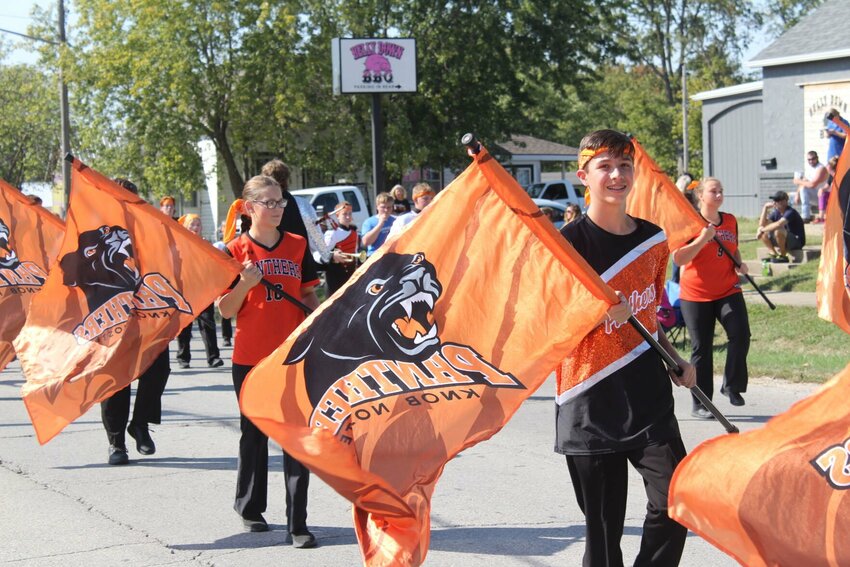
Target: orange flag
656, 199
833, 287
29, 241
429, 349
127, 280
778, 495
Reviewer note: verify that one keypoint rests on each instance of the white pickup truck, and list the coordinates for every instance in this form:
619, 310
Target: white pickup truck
325, 199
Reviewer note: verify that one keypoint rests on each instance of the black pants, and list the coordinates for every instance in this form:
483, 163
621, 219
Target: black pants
206, 324
253, 472
226, 329
115, 411
700, 317
601, 486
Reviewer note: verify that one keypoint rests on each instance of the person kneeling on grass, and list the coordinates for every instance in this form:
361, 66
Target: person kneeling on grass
780, 228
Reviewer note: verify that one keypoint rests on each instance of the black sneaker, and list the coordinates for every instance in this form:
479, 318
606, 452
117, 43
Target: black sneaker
182, 364
255, 524
144, 443
781, 259
227, 342
118, 455
303, 540
735, 398
216, 362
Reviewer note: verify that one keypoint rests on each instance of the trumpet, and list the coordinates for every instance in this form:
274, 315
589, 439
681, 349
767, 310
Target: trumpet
360, 257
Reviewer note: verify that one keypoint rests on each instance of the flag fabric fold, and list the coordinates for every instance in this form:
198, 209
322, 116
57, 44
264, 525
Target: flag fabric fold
29, 240
833, 283
126, 280
655, 198
777, 495
430, 348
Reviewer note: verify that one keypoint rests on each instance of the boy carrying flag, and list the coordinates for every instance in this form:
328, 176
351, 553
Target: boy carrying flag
615, 402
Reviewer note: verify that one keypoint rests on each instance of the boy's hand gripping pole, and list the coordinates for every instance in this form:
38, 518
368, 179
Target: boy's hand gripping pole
671, 364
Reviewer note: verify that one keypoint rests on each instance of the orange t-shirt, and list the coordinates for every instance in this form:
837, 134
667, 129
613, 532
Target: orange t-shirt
264, 321
711, 274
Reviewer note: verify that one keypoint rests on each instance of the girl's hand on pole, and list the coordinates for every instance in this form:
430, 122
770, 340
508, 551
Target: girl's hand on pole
251, 275
707, 234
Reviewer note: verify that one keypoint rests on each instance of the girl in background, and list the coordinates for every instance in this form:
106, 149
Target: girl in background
710, 291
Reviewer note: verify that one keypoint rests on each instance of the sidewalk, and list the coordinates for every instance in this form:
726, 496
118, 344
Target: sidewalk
791, 298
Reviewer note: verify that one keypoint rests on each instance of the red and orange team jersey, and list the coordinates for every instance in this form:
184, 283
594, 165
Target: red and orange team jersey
711, 274
343, 239
265, 320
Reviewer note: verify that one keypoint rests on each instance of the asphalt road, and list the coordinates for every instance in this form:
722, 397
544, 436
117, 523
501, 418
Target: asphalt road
507, 501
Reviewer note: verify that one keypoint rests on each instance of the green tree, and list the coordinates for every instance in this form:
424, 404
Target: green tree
154, 78
29, 123
783, 14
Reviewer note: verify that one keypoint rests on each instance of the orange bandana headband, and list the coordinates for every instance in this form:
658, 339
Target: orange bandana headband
588, 154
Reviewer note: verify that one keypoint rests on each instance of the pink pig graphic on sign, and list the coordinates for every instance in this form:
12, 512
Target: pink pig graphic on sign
377, 65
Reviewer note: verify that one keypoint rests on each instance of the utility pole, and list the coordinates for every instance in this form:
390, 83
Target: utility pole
66, 121
684, 117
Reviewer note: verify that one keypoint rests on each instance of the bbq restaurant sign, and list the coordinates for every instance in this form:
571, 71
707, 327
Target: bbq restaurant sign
373, 65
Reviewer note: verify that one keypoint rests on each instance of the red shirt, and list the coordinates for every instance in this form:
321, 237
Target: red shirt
263, 321
711, 274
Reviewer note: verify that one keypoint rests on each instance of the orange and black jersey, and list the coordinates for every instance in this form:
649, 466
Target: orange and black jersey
614, 393
711, 274
265, 320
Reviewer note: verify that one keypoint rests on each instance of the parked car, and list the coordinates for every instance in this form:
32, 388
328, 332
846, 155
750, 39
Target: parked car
325, 199
557, 217
560, 191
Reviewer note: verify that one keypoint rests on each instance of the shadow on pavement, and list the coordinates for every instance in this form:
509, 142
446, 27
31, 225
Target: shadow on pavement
327, 536
203, 463
511, 540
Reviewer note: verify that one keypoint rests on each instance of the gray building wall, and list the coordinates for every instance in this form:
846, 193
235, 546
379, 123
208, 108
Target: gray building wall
783, 108
732, 144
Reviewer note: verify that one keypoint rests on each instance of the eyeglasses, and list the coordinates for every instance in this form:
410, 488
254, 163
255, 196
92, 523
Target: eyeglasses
272, 204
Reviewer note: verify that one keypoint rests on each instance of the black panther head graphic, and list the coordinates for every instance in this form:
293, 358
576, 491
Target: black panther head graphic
102, 266
387, 314
8, 258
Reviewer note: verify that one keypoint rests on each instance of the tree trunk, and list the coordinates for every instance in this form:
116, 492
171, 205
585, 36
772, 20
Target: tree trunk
233, 175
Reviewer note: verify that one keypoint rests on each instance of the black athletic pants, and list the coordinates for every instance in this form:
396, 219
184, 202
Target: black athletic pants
253, 472
226, 329
206, 324
601, 486
115, 411
699, 317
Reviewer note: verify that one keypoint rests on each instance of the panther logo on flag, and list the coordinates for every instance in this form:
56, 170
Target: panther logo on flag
17, 277
8, 258
104, 268
389, 345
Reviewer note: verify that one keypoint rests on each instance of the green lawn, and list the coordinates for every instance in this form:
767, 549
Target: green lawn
790, 343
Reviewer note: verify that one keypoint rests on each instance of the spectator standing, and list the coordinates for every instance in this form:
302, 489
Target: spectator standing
835, 134
344, 242
825, 190
264, 321
813, 177
622, 410
376, 228
780, 228
206, 318
423, 194
710, 291
400, 203
147, 407
572, 213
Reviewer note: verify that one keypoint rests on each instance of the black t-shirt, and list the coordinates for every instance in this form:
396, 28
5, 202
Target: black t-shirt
292, 222
795, 222
401, 206
614, 393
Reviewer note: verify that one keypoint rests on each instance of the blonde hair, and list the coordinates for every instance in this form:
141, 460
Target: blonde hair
701, 186
252, 189
399, 188
384, 199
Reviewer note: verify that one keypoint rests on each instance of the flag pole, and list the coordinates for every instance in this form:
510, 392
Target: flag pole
749, 278
474, 147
